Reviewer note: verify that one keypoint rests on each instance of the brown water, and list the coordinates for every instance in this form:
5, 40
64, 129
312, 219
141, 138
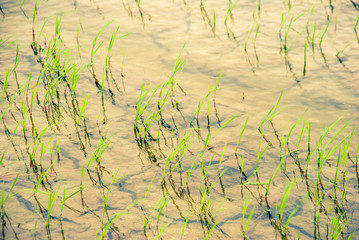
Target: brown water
250, 85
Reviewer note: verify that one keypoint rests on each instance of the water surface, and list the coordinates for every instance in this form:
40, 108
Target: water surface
257, 54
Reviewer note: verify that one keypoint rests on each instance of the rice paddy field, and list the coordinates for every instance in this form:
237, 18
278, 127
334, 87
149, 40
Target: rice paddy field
179, 119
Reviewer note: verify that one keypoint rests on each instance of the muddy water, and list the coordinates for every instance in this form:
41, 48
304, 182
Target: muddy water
254, 70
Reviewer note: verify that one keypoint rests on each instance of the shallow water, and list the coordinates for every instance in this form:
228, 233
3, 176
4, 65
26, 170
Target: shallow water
251, 81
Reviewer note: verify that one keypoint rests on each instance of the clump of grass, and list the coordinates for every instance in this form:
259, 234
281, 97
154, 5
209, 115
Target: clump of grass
144, 122
337, 226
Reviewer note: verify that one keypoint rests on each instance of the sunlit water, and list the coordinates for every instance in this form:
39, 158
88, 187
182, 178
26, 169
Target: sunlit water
247, 53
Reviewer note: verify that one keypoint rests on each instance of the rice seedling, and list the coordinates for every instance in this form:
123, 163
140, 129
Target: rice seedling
284, 200
294, 154
2, 157
282, 26
256, 35
146, 219
323, 158
286, 46
204, 173
240, 136
260, 153
112, 41
184, 226
337, 226
341, 50
6, 196
324, 32
274, 110
36, 47
159, 209
96, 156
245, 208
95, 46
141, 106
313, 35
282, 160
52, 199
293, 127
36, 220
322, 137
305, 58
66, 197
177, 154
114, 218
4, 43
206, 207
355, 29
4, 88
83, 109
310, 16
161, 230
144, 122
206, 198
211, 231
229, 15
106, 197
41, 179
248, 36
